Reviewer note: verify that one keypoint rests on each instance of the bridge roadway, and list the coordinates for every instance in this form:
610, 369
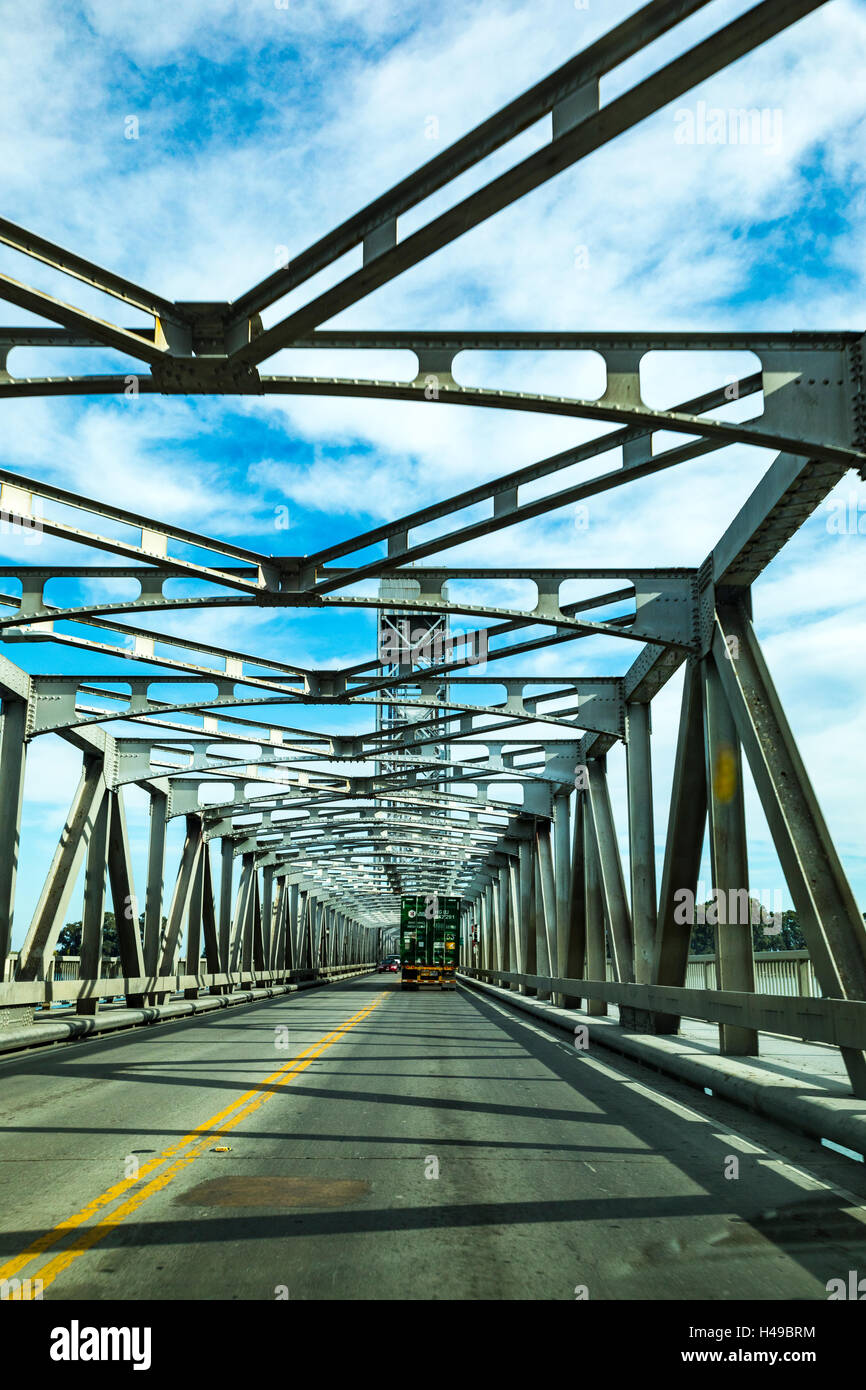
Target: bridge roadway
556, 1169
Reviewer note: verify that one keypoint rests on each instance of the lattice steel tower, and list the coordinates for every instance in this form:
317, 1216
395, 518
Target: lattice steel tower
409, 643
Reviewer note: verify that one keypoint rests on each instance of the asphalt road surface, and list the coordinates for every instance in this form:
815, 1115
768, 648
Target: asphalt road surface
358, 1142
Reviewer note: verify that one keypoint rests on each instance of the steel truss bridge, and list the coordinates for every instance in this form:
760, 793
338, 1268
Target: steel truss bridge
322, 829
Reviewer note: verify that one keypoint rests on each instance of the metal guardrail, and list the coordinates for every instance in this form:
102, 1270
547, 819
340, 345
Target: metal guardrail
66, 987
776, 972
841, 1022
788, 973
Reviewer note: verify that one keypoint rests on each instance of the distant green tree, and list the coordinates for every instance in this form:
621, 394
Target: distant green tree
790, 938
69, 940
703, 940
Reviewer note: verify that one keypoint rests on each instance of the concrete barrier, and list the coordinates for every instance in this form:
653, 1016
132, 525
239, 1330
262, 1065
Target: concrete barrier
799, 1104
78, 1027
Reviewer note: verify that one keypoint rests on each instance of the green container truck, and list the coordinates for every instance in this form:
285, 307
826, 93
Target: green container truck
429, 940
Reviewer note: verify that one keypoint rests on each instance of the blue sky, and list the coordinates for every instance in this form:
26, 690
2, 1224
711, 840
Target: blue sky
260, 128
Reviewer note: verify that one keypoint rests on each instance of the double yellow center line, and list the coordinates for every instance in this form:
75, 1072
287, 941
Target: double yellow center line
184, 1152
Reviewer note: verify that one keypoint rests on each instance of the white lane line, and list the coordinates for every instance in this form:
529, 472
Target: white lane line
770, 1157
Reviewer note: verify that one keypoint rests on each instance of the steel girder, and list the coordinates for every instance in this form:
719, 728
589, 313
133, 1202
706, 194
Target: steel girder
517, 819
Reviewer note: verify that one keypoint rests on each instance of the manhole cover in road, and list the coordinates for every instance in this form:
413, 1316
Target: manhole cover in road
275, 1192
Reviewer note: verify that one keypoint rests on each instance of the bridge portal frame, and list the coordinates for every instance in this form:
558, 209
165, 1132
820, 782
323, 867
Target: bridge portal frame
541, 869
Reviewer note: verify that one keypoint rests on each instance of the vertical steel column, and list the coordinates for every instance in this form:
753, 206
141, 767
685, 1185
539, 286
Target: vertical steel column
545, 917
596, 953
504, 922
828, 912
286, 962
303, 935
179, 909
326, 935
340, 930
333, 943
483, 929
267, 913
258, 962
194, 923
313, 929
246, 924
208, 917
536, 929
323, 935
728, 854
514, 914
123, 896
57, 889
576, 954
155, 875
13, 722
684, 843
93, 916
612, 880
474, 933
277, 955
527, 921
227, 864
241, 913
562, 883
641, 840
562, 886
294, 928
